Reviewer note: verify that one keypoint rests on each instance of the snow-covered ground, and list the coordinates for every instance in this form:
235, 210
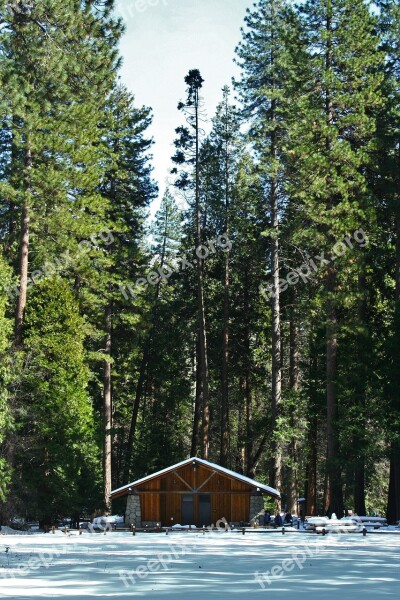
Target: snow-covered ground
218, 565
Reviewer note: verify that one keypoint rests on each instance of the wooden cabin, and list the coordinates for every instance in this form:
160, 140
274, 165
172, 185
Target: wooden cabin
193, 492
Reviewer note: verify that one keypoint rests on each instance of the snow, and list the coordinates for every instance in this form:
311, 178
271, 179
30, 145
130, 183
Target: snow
10, 530
113, 519
238, 476
346, 523
214, 565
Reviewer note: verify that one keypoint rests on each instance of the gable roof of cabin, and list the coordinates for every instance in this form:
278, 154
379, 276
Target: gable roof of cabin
262, 487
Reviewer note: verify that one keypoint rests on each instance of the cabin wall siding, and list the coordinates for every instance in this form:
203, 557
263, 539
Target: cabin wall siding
220, 507
150, 504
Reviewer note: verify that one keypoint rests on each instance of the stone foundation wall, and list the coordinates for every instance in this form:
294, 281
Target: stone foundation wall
256, 507
133, 514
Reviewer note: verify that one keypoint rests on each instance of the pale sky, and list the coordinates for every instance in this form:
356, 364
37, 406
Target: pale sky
163, 40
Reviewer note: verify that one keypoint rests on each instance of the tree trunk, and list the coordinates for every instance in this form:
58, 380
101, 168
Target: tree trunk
241, 437
294, 373
248, 411
276, 470
393, 506
333, 492
203, 357
276, 450
311, 495
23, 255
359, 441
225, 380
359, 486
135, 410
107, 413
225, 351
290, 479
247, 380
197, 413
312, 441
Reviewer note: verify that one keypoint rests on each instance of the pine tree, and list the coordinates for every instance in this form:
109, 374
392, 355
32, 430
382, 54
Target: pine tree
332, 140
55, 83
5, 375
165, 235
263, 57
58, 65
188, 152
387, 184
128, 188
249, 324
224, 136
165, 419
219, 156
56, 419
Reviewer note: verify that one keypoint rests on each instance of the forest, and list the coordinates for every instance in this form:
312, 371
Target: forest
255, 320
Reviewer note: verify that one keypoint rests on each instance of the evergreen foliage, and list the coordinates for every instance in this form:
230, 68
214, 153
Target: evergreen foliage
260, 326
